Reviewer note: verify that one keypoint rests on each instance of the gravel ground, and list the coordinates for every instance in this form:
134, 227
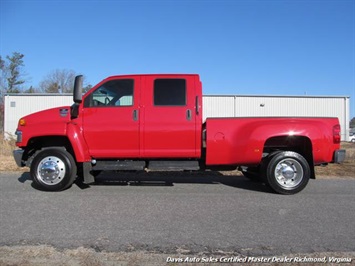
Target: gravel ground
49, 256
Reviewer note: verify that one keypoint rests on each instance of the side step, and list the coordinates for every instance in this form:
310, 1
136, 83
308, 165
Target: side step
173, 165
119, 165
141, 165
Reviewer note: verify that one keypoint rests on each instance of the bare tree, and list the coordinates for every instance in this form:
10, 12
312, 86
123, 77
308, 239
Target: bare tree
58, 81
31, 89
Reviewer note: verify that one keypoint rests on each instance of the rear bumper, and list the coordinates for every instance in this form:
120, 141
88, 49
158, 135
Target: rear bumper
18, 157
339, 156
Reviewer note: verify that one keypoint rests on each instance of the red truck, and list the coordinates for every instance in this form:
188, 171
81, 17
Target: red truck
140, 122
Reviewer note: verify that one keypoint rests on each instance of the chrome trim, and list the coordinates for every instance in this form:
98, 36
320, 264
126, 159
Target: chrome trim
51, 170
18, 133
289, 173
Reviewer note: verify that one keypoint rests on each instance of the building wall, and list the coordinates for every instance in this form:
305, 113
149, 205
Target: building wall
263, 106
19, 105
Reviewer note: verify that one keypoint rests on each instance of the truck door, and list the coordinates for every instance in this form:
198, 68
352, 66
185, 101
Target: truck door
111, 119
169, 127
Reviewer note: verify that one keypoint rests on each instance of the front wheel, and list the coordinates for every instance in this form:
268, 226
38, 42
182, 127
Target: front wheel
53, 169
287, 172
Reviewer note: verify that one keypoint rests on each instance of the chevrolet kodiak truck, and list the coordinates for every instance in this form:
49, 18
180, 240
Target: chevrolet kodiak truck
154, 122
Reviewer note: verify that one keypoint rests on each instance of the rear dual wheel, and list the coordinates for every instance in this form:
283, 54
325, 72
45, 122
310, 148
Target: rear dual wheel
286, 172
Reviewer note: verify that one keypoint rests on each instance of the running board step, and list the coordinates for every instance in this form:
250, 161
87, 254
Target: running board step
173, 165
119, 165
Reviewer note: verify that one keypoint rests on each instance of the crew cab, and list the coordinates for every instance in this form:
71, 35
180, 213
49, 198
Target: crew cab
155, 122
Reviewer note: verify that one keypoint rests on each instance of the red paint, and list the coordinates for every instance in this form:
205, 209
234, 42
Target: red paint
141, 129
244, 138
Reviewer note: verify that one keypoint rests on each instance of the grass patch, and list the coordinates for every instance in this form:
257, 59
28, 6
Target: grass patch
6, 148
6, 145
346, 169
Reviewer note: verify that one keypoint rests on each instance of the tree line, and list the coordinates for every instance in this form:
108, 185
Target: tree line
13, 78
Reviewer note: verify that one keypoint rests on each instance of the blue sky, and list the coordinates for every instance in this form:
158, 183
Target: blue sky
289, 47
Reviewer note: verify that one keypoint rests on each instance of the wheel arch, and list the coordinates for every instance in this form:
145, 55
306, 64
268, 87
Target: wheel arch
299, 144
38, 143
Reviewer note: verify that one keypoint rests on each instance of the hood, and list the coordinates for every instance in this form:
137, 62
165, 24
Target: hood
54, 115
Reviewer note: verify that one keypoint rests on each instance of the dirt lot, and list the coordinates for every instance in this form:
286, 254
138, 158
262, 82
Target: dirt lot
46, 255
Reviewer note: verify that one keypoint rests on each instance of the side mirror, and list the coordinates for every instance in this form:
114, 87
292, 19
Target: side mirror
78, 89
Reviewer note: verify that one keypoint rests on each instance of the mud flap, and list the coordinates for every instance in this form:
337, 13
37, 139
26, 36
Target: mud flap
88, 177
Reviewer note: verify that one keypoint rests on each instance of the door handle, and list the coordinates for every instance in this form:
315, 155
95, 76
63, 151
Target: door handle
197, 106
188, 114
135, 115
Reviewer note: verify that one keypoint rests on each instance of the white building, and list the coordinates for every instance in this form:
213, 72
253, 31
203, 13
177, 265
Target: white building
18, 105
289, 106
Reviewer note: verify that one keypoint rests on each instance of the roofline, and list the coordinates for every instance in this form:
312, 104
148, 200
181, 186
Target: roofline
150, 75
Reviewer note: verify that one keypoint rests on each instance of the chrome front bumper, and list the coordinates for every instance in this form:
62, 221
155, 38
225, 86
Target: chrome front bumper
18, 157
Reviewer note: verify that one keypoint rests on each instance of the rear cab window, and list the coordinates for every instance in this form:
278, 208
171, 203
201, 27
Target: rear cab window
169, 92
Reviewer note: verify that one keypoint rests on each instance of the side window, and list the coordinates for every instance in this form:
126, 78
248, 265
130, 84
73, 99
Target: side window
113, 93
170, 92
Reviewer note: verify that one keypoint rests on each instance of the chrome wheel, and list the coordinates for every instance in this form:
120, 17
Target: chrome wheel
51, 170
288, 173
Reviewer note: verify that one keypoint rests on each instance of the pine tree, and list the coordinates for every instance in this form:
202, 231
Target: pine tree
14, 79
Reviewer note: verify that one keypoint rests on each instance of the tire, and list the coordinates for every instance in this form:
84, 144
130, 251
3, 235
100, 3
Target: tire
287, 172
53, 169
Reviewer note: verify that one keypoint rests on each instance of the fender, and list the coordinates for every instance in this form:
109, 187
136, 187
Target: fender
54, 122
241, 141
51, 122
75, 136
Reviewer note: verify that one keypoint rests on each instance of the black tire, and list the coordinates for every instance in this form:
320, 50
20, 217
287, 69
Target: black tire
53, 169
286, 172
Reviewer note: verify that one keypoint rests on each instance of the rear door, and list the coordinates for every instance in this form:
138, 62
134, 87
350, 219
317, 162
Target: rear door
111, 119
169, 127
